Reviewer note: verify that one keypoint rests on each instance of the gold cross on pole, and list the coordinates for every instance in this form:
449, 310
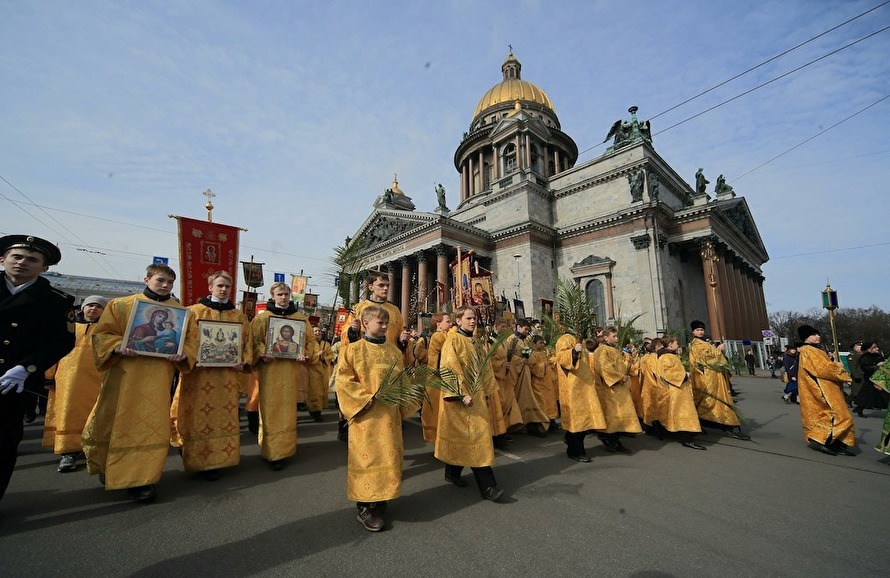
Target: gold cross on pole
209, 206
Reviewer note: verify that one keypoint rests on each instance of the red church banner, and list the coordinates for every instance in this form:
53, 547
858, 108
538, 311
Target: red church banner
205, 248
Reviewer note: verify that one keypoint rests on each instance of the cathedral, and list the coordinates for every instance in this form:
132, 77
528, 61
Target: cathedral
624, 226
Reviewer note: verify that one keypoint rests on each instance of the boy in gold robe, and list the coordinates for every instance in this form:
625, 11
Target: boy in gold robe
319, 375
127, 435
429, 413
278, 378
679, 416
374, 468
519, 350
76, 389
710, 385
826, 419
581, 410
463, 436
206, 425
610, 375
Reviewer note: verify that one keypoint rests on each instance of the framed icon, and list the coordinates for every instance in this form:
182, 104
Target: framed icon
155, 329
219, 343
285, 337
519, 308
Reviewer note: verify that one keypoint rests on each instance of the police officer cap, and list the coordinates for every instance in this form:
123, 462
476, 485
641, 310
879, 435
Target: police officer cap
50, 252
697, 325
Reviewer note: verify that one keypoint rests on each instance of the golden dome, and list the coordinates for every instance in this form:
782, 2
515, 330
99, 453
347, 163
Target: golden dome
512, 89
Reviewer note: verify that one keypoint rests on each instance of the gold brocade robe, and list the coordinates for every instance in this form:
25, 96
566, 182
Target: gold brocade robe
581, 409
417, 352
127, 435
653, 393
374, 462
393, 329
551, 396
429, 414
710, 387
679, 413
511, 416
519, 375
634, 381
72, 399
614, 395
542, 382
204, 412
823, 411
319, 376
463, 436
277, 384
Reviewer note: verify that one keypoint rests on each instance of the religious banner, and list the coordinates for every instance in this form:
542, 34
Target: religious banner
248, 304
253, 274
298, 289
342, 313
460, 270
205, 248
482, 290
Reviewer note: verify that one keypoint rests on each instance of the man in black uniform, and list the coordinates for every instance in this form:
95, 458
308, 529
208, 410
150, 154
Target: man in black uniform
36, 330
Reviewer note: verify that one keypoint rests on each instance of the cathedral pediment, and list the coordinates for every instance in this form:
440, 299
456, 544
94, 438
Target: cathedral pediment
739, 216
385, 226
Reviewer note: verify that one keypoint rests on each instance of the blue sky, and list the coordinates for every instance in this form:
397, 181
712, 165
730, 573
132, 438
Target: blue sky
297, 115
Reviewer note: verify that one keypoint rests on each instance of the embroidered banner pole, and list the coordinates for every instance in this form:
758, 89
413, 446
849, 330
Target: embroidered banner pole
204, 248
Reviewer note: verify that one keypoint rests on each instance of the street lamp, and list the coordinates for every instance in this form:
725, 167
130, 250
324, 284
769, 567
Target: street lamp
516, 259
829, 301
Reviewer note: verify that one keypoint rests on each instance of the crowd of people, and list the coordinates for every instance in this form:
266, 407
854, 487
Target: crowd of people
112, 402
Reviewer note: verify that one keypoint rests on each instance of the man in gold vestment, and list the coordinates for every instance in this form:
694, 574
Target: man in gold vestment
319, 375
679, 416
75, 390
610, 375
206, 426
581, 410
127, 436
374, 467
710, 386
463, 436
429, 413
278, 378
519, 350
826, 419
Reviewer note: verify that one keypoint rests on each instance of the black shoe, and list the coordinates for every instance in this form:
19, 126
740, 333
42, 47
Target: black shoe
343, 430
580, 458
316, 416
621, 448
534, 431
459, 482
693, 446
276, 464
369, 519
554, 427
253, 422
492, 493
211, 475
821, 448
302, 406
102, 479
498, 443
506, 438
859, 411
142, 494
841, 449
736, 433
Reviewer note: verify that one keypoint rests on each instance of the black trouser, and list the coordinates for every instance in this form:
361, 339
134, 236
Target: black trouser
12, 412
610, 439
484, 475
575, 443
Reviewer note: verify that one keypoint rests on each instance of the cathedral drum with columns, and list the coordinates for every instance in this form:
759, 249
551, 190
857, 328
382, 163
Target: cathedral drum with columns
623, 226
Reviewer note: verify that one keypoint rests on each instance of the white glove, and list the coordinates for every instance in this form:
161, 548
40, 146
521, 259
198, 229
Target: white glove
13, 379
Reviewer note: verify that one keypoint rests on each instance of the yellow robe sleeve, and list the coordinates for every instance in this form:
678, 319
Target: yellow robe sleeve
820, 366
610, 365
671, 370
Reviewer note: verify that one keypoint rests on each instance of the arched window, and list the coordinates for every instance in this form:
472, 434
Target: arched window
597, 297
510, 158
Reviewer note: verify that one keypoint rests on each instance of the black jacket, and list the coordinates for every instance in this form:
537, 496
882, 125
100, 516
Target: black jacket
36, 328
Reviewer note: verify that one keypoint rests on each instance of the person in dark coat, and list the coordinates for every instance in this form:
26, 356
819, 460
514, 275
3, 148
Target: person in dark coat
869, 397
36, 331
789, 362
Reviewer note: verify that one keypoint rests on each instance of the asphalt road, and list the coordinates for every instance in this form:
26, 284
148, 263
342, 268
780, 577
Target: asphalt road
768, 507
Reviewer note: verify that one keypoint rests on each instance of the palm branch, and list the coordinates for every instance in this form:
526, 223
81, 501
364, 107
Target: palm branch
476, 371
403, 388
574, 308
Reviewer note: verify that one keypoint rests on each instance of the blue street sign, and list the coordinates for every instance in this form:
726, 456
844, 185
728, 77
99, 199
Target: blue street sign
160, 260
279, 277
